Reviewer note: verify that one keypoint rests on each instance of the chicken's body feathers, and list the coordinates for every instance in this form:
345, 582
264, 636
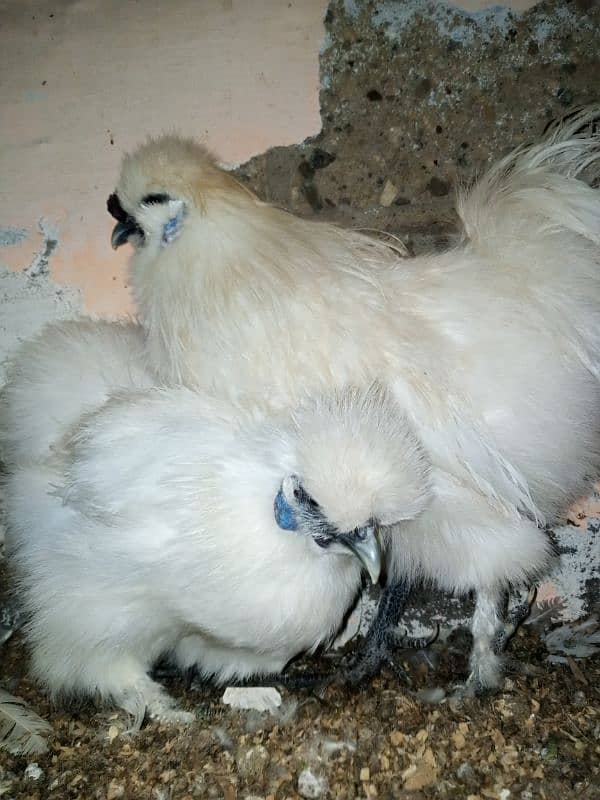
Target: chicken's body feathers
491, 349
145, 526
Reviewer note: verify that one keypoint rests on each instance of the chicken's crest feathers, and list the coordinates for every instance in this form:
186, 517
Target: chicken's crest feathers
181, 167
360, 459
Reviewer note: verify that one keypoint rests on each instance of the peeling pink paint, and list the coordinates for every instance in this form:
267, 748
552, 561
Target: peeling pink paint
85, 80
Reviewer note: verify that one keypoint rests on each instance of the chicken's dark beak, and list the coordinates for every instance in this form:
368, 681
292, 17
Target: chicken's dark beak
364, 544
123, 231
126, 226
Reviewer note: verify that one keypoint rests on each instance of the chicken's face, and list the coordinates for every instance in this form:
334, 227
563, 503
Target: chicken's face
162, 184
155, 223
352, 466
295, 510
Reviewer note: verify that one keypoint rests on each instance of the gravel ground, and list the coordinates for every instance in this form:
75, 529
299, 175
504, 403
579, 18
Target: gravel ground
538, 738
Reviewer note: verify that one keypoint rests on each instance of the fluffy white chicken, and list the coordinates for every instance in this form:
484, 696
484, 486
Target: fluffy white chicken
68, 370
491, 348
164, 523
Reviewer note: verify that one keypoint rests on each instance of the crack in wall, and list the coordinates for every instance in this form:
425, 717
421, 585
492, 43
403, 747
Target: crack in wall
40, 265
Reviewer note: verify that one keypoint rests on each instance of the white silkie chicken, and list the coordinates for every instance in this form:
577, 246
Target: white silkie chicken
163, 523
491, 349
68, 370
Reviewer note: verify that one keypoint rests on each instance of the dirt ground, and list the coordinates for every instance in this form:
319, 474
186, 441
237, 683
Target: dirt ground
538, 738
414, 102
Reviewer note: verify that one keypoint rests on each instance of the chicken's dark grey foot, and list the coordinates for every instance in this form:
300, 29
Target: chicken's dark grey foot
373, 656
514, 617
378, 649
375, 651
382, 641
365, 664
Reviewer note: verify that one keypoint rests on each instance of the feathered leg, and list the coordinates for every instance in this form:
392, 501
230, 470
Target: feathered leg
148, 698
492, 626
126, 683
66, 666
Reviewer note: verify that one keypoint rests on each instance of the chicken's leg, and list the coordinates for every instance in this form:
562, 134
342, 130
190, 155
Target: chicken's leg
381, 640
492, 626
376, 651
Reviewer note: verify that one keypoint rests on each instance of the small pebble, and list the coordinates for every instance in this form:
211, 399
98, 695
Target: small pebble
113, 732
465, 772
33, 771
253, 762
311, 785
397, 738
257, 698
115, 791
388, 195
432, 696
458, 740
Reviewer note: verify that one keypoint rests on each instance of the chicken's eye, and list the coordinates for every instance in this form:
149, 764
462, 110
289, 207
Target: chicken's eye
304, 499
155, 199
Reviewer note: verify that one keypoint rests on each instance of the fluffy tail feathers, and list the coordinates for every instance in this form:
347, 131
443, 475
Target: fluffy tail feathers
537, 189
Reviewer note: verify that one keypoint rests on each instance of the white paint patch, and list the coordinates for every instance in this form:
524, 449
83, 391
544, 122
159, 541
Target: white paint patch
255, 698
10, 236
29, 299
579, 566
311, 785
575, 641
549, 26
351, 8
40, 263
326, 43
453, 23
465, 26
